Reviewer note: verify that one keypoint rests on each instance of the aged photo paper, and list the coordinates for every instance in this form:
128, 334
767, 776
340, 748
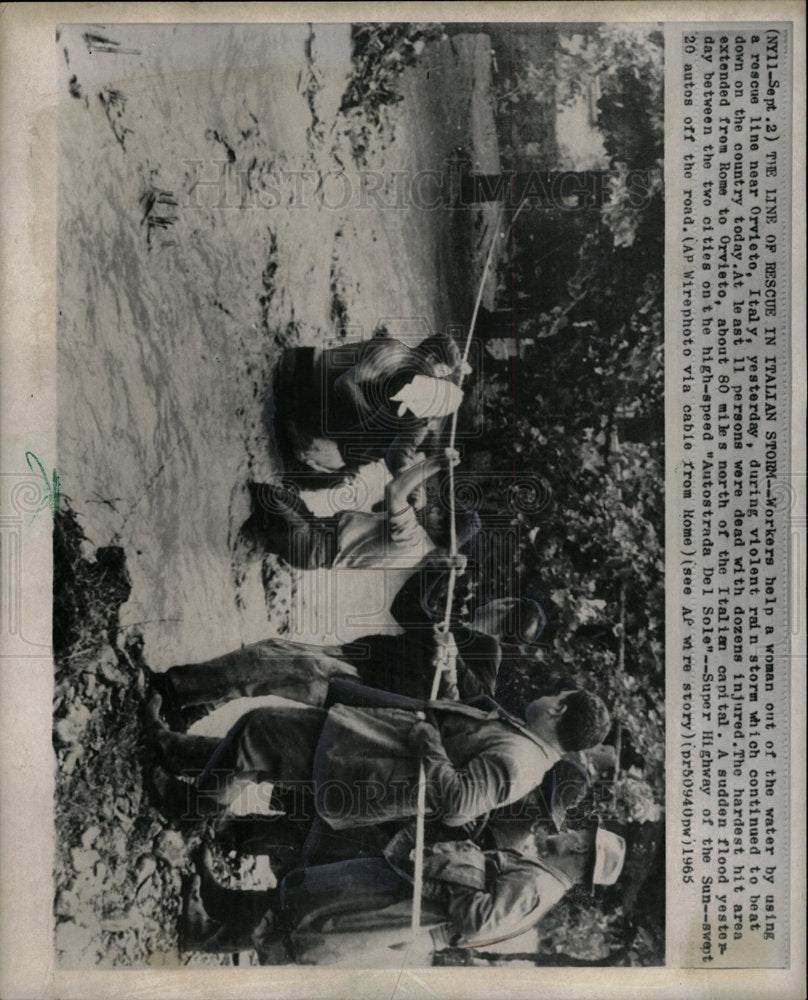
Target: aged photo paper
403, 500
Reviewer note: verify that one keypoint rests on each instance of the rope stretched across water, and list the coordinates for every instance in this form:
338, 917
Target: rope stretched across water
418, 875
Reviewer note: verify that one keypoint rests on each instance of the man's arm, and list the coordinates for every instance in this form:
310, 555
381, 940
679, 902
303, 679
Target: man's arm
405, 482
480, 656
420, 601
519, 896
403, 450
410, 606
457, 796
347, 692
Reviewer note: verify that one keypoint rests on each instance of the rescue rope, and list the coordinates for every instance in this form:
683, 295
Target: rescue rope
418, 874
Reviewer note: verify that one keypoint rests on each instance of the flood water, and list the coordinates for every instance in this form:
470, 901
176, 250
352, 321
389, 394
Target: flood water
210, 211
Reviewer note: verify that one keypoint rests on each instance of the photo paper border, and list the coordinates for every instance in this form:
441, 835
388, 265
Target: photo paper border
30, 100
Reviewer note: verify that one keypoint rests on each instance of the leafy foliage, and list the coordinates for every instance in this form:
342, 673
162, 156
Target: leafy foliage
611, 53
381, 53
583, 419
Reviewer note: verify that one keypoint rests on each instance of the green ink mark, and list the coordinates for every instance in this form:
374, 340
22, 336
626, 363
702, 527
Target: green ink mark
51, 497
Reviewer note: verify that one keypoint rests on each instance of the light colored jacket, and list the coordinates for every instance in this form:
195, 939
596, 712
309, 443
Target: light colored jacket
473, 899
490, 896
366, 769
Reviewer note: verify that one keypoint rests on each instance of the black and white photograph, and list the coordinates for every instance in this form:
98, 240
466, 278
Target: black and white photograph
358, 510
402, 501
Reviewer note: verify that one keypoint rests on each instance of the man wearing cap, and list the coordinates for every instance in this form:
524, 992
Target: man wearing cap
471, 898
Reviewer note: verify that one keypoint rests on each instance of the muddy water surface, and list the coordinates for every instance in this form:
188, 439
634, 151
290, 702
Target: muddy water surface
193, 245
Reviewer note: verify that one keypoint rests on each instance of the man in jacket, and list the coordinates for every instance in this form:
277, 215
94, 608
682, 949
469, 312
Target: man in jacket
362, 763
471, 898
403, 664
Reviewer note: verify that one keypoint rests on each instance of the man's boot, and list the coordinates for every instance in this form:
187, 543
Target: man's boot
219, 919
181, 801
201, 931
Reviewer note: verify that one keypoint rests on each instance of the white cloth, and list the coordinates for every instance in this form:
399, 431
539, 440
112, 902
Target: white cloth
426, 397
375, 558
359, 491
368, 540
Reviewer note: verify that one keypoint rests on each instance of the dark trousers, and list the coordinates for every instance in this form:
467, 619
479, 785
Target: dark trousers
313, 895
274, 666
276, 745
306, 900
284, 525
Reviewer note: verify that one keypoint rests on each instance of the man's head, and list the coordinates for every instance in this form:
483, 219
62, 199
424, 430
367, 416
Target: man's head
515, 621
589, 857
573, 720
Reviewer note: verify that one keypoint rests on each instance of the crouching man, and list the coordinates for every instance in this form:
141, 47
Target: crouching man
361, 910
362, 763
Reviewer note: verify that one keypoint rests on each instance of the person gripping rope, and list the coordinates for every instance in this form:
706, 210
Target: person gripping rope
362, 763
472, 898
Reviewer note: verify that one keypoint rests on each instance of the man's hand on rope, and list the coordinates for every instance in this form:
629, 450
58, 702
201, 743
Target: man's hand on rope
445, 656
423, 737
445, 560
444, 659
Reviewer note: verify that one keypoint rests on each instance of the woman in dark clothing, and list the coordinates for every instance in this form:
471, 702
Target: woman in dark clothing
330, 414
